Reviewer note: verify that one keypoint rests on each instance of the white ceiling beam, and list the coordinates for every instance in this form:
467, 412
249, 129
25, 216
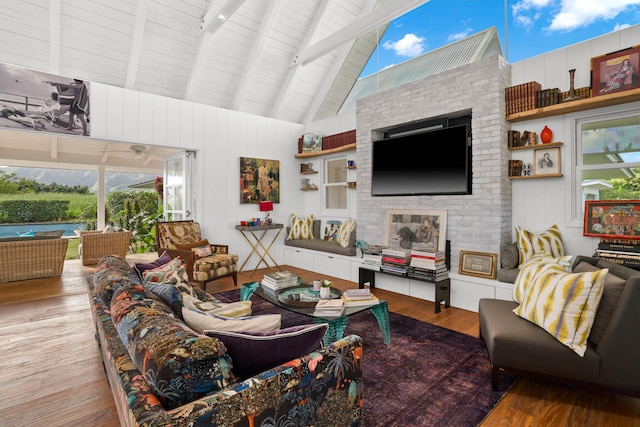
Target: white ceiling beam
213, 19
285, 92
382, 15
54, 36
252, 64
136, 43
217, 15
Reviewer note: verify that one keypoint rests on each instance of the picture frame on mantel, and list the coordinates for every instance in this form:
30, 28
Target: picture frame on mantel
615, 72
478, 264
416, 229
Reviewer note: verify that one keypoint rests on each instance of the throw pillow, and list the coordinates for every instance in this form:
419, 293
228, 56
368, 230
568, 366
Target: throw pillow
345, 231
255, 352
301, 228
111, 272
201, 322
331, 230
529, 243
179, 364
531, 268
214, 307
140, 267
509, 256
564, 304
160, 274
191, 245
168, 294
613, 287
202, 251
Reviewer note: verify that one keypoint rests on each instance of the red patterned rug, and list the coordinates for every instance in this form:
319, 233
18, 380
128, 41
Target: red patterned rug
427, 376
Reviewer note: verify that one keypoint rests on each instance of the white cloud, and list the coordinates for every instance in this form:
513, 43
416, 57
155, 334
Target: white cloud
618, 27
460, 35
567, 15
410, 45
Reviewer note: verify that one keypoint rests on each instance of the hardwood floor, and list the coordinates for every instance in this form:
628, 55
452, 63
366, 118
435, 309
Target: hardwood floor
51, 373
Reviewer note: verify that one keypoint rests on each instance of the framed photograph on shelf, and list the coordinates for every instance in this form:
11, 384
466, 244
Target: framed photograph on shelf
478, 264
416, 229
612, 219
615, 72
546, 161
311, 142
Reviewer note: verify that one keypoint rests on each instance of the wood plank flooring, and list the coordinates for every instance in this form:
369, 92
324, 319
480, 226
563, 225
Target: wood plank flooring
51, 373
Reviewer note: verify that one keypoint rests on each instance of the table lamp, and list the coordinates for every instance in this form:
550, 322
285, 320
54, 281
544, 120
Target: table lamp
266, 206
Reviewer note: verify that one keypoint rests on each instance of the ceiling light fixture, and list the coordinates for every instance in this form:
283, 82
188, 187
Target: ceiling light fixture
138, 149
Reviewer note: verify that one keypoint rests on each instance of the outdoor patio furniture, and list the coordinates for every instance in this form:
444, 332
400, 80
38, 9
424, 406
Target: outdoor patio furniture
23, 258
96, 244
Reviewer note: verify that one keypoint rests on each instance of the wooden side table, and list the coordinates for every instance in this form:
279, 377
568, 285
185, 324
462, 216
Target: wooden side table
257, 245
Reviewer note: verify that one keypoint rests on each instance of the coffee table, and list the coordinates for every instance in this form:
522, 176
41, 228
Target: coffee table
337, 325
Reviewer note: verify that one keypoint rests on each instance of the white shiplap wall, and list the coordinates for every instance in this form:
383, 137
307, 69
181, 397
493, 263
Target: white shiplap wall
220, 138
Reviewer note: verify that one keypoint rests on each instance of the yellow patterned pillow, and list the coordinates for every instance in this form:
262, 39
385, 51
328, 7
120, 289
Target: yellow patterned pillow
563, 304
345, 231
529, 243
532, 267
301, 228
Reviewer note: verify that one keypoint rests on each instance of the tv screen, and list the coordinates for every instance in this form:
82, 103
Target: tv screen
429, 163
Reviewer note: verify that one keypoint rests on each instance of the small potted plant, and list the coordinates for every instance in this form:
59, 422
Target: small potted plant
325, 289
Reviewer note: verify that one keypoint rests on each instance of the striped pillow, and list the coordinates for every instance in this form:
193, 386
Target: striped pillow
563, 304
529, 243
532, 267
345, 231
301, 228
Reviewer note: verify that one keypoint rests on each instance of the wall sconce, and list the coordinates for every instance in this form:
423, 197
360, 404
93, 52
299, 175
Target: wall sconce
266, 206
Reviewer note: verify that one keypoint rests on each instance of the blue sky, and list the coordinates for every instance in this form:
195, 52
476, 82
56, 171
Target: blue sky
534, 26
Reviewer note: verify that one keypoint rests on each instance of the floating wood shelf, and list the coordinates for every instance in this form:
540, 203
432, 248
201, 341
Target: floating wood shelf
536, 146
577, 105
307, 154
308, 172
553, 175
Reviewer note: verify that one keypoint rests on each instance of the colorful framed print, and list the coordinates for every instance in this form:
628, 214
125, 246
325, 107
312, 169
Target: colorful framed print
615, 72
612, 219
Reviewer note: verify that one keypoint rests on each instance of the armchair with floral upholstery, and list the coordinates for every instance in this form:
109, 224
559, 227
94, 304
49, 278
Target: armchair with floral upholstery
205, 262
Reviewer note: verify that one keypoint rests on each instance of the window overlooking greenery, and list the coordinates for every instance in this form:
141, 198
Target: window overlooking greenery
335, 182
609, 163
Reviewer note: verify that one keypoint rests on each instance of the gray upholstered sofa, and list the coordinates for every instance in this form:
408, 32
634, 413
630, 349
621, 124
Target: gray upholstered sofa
610, 361
319, 244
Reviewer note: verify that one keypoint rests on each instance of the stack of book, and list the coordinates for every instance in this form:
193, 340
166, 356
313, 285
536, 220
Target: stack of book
372, 258
428, 266
359, 298
278, 280
521, 97
329, 308
395, 261
620, 251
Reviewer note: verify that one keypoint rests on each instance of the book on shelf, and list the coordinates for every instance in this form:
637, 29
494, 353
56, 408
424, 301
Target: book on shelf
619, 247
396, 252
278, 280
618, 254
620, 241
417, 253
365, 302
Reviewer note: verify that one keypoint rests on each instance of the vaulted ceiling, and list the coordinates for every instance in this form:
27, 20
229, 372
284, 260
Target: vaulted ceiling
287, 59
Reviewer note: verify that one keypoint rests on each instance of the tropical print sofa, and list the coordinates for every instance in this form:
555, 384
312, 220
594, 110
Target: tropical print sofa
163, 373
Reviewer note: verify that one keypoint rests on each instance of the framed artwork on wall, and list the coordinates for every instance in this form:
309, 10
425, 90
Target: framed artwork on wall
546, 161
615, 219
311, 142
259, 180
416, 229
615, 72
478, 264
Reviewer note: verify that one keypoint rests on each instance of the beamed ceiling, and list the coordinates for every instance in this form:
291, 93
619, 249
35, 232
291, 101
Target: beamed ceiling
291, 60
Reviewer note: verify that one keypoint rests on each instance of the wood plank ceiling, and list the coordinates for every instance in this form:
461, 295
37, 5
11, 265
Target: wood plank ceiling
287, 59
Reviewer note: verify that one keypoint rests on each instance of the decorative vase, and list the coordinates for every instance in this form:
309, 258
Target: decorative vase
546, 135
325, 292
572, 92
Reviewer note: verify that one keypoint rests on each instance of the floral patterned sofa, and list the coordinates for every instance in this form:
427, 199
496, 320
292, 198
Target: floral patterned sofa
163, 373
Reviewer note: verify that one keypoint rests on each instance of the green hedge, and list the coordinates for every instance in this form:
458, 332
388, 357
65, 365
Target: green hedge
13, 211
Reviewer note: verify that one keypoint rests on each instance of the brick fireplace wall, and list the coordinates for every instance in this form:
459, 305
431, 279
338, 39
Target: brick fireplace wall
480, 221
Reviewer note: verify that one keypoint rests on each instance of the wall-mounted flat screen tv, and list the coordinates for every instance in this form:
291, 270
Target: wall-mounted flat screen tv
436, 162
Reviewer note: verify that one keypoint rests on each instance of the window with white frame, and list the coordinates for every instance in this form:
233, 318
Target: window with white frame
608, 160
335, 183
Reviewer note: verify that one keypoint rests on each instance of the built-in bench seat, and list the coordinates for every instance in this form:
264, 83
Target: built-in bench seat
319, 244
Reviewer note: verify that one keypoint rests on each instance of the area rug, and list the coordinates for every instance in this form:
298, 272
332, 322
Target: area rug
427, 376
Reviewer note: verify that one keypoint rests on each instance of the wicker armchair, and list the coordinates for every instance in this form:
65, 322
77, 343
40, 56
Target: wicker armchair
26, 258
178, 237
96, 244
